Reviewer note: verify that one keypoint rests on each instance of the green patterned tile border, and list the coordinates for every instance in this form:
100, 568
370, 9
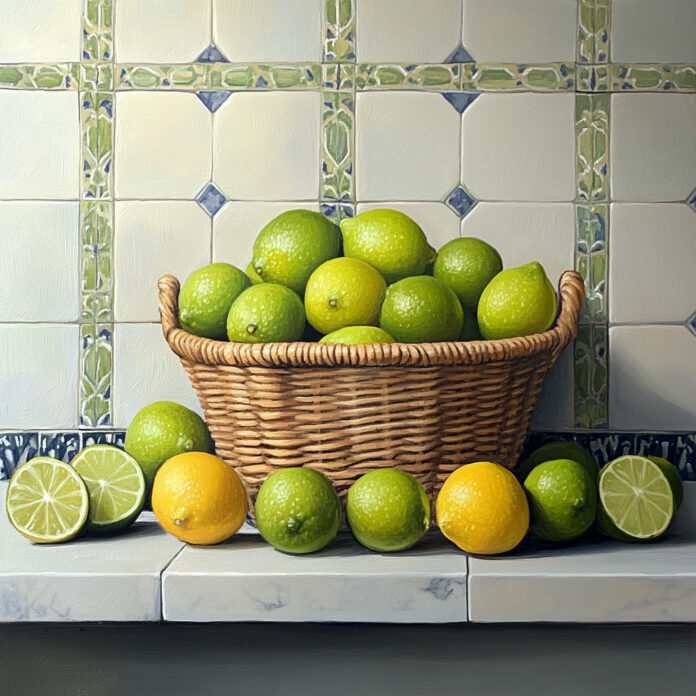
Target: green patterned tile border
96, 261
591, 376
97, 127
594, 17
95, 380
338, 117
592, 146
42, 76
339, 76
591, 222
445, 76
552, 77
592, 78
97, 34
653, 78
339, 30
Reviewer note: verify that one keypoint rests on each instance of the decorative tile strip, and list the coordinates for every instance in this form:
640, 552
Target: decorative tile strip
591, 377
95, 382
192, 76
96, 263
594, 17
592, 78
63, 446
41, 76
117, 438
97, 36
654, 78
96, 76
97, 126
15, 450
338, 76
445, 76
592, 146
678, 448
337, 146
591, 258
551, 77
337, 210
339, 30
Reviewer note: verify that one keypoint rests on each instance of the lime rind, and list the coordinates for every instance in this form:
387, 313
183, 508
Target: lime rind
47, 501
636, 498
116, 486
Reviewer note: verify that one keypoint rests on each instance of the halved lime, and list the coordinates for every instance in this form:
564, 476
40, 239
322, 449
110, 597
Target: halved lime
636, 499
47, 501
116, 487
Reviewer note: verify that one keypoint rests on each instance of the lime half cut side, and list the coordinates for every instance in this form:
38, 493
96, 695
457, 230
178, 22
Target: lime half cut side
47, 501
636, 499
116, 486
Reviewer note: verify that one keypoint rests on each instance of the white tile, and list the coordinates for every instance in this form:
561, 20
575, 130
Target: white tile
162, 147
236, 225
40, 144
439, 223
268, 30
152, 238
37, 31
652, 380
407, 146
520, 31
39, 268
653, 146
161, 31
520, 147
38, 376
524, 232
407, 31
645, 31
555, 408
146, 370
267, 146
652, 248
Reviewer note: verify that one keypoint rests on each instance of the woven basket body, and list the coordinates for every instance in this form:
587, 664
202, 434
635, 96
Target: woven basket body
345, 410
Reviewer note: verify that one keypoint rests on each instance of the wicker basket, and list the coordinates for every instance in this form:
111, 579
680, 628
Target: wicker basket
346, 409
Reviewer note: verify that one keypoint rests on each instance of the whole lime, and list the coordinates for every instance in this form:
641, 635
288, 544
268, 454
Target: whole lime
562, 498
467, 265
297, 510
388, 240
517, 302
265, 313
421, 309
358, 334
388, 510
559, 450
206, 298
343, 292
162, 429
672, 474
292, 245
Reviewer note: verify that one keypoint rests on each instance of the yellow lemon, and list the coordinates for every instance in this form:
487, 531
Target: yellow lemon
198, 498
483, 509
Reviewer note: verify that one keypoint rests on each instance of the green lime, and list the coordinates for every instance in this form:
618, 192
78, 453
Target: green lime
253, 276
470, 330
389, 241
343, 292
636, 500
47, 501
292, 245
116, 487
467, 265
358, 334
559, 450
562, 500
421, 309
266, 313
162, 429
388, 510
517, 302
206, 298
297, 510
672, 474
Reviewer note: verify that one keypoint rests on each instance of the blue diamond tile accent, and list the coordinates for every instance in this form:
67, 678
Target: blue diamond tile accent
691, 324
460, 100
211, 55
213, 99
15, 450
691, 200
460, 201
459, 55
211, 199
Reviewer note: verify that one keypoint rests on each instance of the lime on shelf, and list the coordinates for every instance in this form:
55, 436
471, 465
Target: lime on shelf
47, 501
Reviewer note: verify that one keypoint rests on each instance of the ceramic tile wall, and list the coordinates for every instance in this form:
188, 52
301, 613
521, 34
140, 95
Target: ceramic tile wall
144, 137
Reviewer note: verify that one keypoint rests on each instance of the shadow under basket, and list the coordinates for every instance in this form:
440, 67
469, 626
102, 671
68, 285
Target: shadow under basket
344, 410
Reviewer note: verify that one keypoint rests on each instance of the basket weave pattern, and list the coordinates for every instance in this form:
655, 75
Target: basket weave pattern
347, 409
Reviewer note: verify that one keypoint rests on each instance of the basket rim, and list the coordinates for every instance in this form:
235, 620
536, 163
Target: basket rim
206, 351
